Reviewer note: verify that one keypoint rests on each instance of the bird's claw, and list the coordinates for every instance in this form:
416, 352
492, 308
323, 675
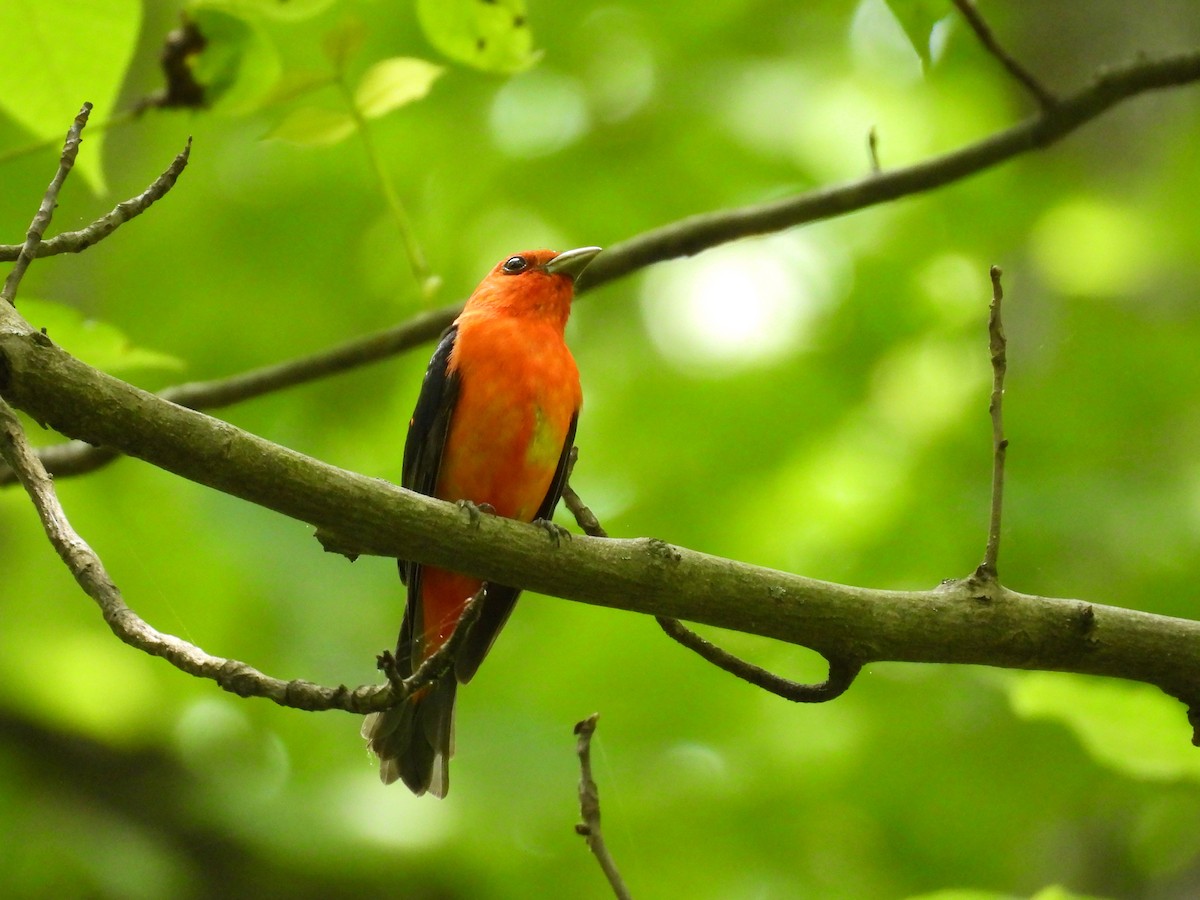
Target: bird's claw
475, 510
557, 532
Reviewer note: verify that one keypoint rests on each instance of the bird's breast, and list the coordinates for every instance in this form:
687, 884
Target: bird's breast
518, 391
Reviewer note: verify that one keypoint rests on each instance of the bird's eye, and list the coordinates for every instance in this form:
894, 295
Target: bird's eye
515, 264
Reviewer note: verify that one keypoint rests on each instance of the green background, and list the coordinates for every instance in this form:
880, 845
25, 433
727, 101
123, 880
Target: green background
813, 401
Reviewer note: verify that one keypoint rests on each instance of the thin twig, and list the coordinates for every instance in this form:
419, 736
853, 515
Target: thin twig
589, 808
998, 345
987, 37
426, 280
78, 241
41, 219
437, 663
88, 570
873, 150
842, 672
585, 518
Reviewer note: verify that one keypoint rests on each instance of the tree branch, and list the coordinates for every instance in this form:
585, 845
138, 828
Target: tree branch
689, 236
956, 623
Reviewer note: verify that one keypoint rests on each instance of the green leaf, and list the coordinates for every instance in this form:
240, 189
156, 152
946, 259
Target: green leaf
492, 35
392, 83
238, 65
1133, 728
917, 18
99, 344
59, 55
311, 126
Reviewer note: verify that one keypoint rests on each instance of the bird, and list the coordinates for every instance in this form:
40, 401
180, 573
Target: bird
493, 429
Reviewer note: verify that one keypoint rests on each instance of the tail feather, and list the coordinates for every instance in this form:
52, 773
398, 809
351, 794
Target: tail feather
415, 740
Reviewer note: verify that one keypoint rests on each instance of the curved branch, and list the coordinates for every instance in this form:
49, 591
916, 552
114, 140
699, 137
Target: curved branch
842, 672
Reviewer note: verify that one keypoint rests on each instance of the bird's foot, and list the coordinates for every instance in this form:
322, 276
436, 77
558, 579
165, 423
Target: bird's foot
386, 663
475, 510
557, 533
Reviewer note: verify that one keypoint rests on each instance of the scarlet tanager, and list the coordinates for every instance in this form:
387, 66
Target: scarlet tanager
494, 424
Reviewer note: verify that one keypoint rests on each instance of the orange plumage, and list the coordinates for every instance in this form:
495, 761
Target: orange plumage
494, 423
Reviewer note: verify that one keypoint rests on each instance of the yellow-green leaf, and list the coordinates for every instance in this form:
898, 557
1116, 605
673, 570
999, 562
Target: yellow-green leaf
493, 36
1133, 728
312, 126
392, 83
99, 344
57, 55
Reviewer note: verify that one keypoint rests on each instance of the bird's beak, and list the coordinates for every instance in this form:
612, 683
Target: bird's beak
571, 262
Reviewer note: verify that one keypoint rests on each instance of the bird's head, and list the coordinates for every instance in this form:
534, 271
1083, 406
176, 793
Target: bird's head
537, 282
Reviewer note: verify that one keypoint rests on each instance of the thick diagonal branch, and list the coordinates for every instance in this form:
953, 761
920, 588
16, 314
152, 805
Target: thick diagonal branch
953, 625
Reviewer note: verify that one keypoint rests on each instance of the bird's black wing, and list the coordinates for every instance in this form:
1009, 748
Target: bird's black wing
499, 600
422, 462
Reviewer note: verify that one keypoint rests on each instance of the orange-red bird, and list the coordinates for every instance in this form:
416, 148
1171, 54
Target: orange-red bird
494, 424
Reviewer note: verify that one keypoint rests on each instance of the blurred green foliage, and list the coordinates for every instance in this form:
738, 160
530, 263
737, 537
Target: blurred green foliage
814, 400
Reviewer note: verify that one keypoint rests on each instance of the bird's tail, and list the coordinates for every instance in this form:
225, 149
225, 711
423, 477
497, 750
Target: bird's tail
414, 741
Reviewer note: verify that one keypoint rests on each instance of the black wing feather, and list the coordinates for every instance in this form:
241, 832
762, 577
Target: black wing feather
499, 600
422, 462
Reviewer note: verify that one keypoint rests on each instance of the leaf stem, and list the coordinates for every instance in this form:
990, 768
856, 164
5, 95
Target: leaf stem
416, 256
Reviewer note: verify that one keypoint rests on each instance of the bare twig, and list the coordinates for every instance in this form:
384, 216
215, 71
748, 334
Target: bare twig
89, 572
585, 518
983, 31
873, 150
998, 346
589, 808
41, 219
232, 675
437, 663
842, 672
78, 241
